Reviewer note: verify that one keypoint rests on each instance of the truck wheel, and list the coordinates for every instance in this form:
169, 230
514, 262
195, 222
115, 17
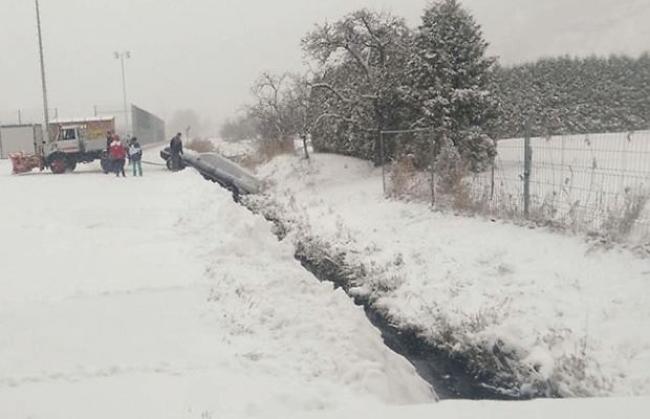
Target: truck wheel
58, 165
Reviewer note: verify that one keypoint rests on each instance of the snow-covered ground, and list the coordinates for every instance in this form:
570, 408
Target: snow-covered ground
572, 315
160, 297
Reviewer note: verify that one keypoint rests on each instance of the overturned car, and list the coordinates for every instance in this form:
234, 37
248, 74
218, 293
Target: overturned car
216, 168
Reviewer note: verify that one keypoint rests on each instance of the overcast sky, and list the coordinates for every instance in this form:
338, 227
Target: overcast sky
204, 54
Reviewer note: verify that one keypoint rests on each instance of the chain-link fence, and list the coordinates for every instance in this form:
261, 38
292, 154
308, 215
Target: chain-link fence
591, 183
596, 182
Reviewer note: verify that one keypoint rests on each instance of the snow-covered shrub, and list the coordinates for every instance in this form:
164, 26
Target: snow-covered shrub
450, 168
477, 149
267, 149
620, 222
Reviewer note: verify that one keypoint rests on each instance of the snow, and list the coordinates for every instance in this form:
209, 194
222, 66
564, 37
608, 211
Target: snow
574, 408
570, 313
160, 297
234, 150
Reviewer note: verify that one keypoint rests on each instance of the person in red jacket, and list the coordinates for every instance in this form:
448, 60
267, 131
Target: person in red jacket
117, 154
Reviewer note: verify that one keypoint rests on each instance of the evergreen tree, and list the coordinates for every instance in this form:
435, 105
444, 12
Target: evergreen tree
448, 80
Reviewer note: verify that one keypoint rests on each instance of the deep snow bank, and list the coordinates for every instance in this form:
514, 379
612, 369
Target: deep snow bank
547, 310
290, 324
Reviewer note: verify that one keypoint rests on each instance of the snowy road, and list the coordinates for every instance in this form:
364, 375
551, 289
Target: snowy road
159, 297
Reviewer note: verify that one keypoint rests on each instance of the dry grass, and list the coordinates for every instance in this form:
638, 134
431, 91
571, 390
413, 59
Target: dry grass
200, 145
402, 176
267, 150
406, 182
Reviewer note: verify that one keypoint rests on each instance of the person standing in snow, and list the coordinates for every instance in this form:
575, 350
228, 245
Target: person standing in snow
135, 156
176, 149
107, 161
109, 140
118, 156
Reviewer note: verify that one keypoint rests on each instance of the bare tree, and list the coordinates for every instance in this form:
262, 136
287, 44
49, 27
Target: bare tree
284, 108
372, 48
270, 110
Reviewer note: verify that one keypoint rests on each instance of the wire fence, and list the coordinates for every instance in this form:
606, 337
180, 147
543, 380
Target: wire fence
595, 183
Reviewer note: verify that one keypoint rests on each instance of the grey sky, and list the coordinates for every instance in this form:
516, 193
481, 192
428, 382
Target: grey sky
204, 54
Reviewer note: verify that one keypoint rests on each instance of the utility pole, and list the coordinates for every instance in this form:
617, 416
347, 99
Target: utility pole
46, 136
121, 56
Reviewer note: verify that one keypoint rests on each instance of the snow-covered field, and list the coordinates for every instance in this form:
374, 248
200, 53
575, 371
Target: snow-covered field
574, 317
158, 297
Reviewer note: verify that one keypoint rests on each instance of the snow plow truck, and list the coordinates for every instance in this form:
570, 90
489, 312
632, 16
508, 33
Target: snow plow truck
72, 141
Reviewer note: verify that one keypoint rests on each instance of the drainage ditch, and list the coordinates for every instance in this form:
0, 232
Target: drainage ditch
449, 374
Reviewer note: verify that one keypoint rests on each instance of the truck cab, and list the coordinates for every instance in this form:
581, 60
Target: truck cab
69, 140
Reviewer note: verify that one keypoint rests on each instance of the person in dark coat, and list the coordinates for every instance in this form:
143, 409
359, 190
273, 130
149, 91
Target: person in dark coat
135, 156
118, 156
109, 140
107, 162
176, 149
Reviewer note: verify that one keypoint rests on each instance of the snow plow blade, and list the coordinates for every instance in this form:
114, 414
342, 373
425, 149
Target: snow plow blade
23, 163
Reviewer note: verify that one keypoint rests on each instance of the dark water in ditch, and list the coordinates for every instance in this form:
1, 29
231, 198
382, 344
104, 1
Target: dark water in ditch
449, 376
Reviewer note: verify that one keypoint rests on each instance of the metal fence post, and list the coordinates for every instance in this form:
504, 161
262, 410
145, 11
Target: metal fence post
433, 169
493, 170
528, 167
1, 152
383, 161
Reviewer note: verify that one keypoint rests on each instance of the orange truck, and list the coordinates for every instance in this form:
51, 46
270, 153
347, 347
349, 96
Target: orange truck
72, 141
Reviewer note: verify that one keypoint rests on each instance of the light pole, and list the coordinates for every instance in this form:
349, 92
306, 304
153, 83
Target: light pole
122, 56
46, 136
